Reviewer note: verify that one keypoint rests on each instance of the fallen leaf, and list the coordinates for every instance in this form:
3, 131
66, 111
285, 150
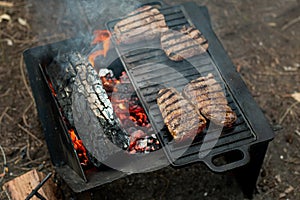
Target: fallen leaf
272, 24
297, 132
296, 96
21, 21
290, 69
278, 178
281, 195
289, 189
9, 42
5, 17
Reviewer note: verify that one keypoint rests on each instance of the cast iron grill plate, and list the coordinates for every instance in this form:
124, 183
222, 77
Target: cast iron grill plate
150, 69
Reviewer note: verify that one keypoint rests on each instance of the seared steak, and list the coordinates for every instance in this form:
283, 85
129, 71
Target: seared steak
207, 95
183, 44
180, 116
144, 23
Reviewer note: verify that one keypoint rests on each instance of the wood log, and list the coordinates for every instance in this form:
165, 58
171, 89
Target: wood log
20, 187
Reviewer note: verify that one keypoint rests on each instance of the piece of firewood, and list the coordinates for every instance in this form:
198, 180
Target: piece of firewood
20, 187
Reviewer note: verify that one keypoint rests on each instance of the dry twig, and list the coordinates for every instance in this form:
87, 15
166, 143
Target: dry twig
19, 158
28, 150
292, 22
24, 114
16, 41
5, 93
29, 133
36, 161
4, 164
166, 187
8, 117
24, 78
297, 132
287, 111
3, 113
7, 195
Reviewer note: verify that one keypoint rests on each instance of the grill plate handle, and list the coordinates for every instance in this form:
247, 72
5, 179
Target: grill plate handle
233, 158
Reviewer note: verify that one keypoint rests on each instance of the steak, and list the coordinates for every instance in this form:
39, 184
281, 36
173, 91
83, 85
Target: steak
183, 44
180, 116
208, 96
144, 23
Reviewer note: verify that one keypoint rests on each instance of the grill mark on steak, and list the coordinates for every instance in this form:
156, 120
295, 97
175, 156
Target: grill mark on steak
142, 14
162, 92
148, 32
180, 116
176, 101
208, 101
169, 112
158, 21
166, 98
208, 96
175, 38
185, 52
198, 87
145, 23
170, 36
193, 122
186, 43
136, 24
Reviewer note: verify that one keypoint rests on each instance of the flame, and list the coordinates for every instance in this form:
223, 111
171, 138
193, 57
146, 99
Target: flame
79, 147
100, 36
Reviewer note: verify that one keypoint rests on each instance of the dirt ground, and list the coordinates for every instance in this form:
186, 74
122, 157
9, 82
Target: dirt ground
261, 37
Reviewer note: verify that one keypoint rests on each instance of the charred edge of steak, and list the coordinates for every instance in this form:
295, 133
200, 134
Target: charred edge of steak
180, 116
208, 96
183, 44
89, 85
145, 23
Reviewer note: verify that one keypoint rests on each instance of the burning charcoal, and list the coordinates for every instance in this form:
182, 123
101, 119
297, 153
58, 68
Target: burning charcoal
106, 72
146, 145
135, 136
131, 114
141, 144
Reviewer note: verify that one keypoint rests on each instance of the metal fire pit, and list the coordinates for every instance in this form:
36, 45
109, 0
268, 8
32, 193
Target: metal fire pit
243, 146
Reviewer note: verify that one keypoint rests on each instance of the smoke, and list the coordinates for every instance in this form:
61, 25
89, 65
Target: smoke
61, 19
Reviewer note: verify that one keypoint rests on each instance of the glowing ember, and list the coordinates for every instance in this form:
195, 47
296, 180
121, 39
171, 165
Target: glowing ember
79, 147
100, 36
125, 102
131, 114
51, 88
77, 143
